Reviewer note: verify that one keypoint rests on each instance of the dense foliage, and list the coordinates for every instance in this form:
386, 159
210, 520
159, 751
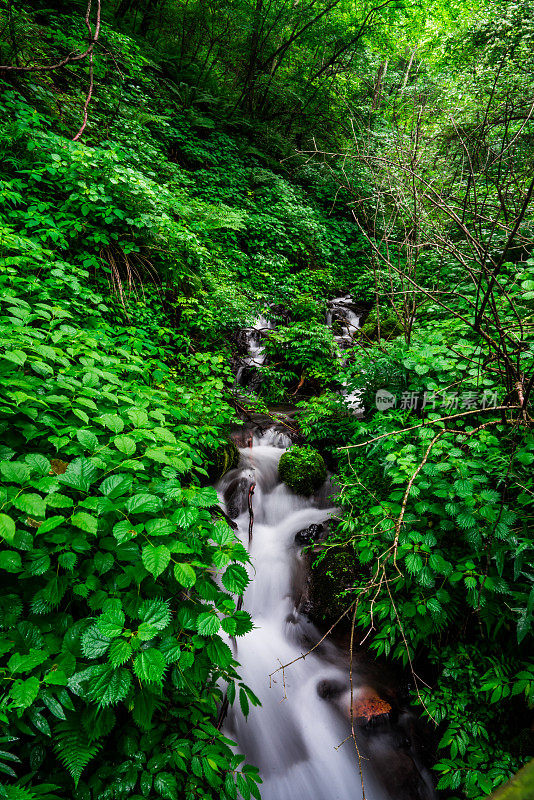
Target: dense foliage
169, 172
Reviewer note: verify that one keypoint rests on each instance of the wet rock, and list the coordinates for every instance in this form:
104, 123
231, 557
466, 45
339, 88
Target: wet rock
311, 534
329, 578
368, 708
236, 496
223, 459
329, 690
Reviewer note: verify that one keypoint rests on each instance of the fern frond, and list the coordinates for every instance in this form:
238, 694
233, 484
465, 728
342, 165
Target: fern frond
73, 748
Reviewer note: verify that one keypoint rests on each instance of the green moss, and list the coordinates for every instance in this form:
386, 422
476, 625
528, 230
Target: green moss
390, 326
224, 458
330, 577
302, 469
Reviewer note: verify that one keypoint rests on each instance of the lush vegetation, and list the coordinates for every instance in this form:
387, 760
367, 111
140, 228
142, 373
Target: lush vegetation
168, 172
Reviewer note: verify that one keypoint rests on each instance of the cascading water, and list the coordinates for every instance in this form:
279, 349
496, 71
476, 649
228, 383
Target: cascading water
255, 356
341, 310
300, 736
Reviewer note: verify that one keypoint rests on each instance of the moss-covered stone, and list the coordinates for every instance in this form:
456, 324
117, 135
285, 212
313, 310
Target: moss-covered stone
224, 458
302, 469
390, 326
330, 576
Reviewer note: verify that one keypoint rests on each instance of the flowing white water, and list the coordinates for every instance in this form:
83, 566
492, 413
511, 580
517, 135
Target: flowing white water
296, 736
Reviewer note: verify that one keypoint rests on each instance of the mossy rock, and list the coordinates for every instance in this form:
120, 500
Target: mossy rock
224, 458
390, 327
302, 469
330, 576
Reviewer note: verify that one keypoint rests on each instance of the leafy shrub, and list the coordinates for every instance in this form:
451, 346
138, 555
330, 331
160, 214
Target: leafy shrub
110, 618
302, 469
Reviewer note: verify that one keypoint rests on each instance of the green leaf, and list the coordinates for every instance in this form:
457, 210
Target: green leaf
25, 663
73, 748
94, 642
30, 503
108, 685
124, 531
24, 692
222, 533
85, 521
87, 439
111, 622
185, 574
155, 613
116, 485
160, 527
125, 444
138, 417
51, 523
80, 474
219, 653
15, 472
55, 500
119, 652
149, 665
15, 356
243, 702
207, 624
38, 463
235, 579
7, 528
143, 503
156, 559
165, 785
10, 561
112, 421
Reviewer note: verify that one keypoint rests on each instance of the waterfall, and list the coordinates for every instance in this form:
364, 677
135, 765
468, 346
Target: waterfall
300, 736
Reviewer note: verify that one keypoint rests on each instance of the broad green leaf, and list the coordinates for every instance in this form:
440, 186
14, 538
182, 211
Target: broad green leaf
165, 786
149, 665
80, 474
160, 527
7, 528
87, 439
94, 643
24, 692
112, 421
30, 503
51, 524
119, 652
156, 613
143, 504
208, 624
116, 485
156, 559
25, 663
235, 579
10, 561
138, 417
15, 472
125, 444
185, 574
85, 521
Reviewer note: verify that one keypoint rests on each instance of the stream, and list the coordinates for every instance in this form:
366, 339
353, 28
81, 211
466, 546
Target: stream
300, 737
